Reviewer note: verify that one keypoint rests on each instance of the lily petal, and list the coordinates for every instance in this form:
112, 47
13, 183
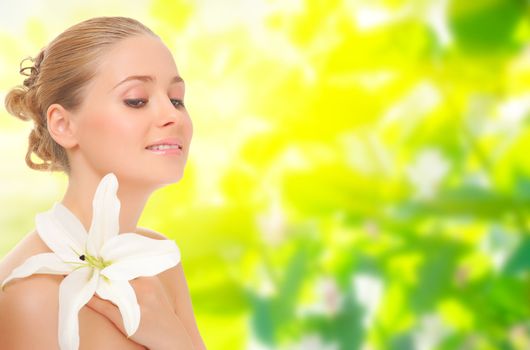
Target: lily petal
121, 293
62, 232
105, 214
132, 255
40, 263
74, 292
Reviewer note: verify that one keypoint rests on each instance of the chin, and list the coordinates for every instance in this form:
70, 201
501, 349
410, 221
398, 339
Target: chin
154, 178
167, 178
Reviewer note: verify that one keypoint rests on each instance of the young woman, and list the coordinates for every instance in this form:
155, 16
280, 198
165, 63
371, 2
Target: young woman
101, 95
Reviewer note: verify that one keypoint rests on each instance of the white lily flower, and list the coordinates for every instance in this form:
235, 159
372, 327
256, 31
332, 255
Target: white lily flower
100, 261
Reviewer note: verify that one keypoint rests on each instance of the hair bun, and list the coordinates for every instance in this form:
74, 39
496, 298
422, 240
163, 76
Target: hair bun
34, 69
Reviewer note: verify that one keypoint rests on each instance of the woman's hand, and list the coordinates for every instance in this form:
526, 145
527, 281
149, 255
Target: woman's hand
160, 328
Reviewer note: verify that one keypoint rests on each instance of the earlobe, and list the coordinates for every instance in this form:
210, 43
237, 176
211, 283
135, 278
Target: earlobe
60, 125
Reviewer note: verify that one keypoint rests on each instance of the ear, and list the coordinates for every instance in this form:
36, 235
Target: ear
61, 126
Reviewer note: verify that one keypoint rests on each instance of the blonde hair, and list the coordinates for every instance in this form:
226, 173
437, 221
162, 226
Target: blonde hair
59, 74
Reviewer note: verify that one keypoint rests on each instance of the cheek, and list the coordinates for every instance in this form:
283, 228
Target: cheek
111, 132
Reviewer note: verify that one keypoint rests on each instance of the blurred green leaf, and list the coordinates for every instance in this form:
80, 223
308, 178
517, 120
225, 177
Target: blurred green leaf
485, 25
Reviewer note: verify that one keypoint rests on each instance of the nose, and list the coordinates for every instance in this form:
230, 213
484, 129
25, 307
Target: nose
168, 113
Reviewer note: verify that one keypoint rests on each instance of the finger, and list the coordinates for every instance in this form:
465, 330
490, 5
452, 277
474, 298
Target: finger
107, 309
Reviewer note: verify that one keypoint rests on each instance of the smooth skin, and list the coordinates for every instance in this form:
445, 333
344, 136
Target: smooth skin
109, 132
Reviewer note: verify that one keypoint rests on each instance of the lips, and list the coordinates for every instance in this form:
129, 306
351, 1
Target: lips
167, 141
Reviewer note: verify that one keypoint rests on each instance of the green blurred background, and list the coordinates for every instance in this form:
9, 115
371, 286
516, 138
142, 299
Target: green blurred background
359, 173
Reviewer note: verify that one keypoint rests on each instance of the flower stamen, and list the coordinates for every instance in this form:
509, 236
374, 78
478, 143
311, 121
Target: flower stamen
96, 262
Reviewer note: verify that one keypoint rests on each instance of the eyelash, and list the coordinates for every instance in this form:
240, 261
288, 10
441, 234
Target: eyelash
136, 100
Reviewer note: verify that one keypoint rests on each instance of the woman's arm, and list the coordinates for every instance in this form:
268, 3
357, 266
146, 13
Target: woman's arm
160, 328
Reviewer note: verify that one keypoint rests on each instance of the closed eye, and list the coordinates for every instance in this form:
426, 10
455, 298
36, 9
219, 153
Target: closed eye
176, 102
137, 103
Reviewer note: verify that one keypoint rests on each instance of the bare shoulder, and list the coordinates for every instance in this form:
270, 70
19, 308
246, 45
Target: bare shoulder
31, 293
30, 245
34, 293
30, 304
150, 233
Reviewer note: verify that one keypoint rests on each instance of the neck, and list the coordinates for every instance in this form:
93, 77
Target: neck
80, 193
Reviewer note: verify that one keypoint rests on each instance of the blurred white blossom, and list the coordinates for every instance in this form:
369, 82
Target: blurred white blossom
499, 245
370, 14
368, 290
371, 227
255, 344
272, 223
368, 17
519, 336
430, 332
502, 120
328, 298
412, 107
436, 17
427, 172
313, 342
477, 179
366, 153
262, 282
512, 112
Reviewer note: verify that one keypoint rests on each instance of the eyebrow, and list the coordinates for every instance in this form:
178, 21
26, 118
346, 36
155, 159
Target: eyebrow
148, 78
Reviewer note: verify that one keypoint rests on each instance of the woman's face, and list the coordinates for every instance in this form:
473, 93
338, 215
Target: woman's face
121, 115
